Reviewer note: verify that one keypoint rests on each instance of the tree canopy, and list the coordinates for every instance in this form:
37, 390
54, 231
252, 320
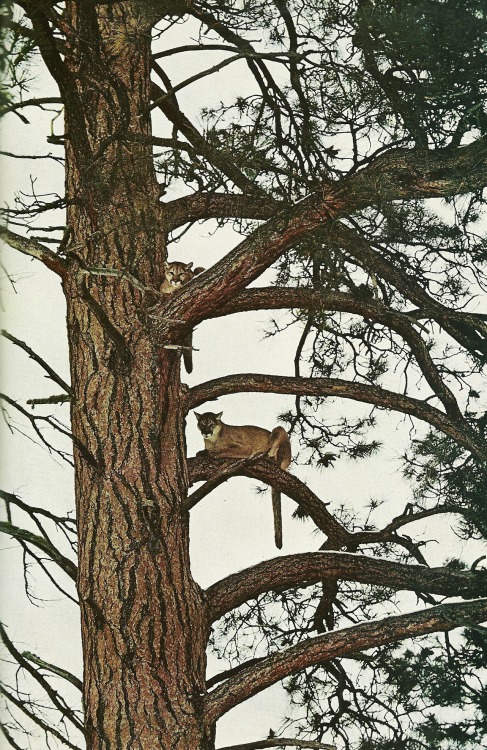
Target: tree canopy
337, 153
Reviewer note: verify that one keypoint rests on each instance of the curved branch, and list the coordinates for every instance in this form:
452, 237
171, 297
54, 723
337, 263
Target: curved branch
35, 250
217, 471
312, 567
22, 535
280, 742
217, 205
457, 428
337, 644
315, 300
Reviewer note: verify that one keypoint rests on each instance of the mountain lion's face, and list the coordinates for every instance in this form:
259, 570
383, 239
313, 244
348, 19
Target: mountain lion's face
209, 424
178, 274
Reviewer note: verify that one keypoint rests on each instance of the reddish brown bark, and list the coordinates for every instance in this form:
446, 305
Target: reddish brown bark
144, 620
143, 617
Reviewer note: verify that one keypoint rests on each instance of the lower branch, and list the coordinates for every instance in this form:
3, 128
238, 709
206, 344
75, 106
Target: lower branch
35, 250
337, 644
312, 567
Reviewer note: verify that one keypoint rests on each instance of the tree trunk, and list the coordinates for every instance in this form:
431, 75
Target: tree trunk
144, 623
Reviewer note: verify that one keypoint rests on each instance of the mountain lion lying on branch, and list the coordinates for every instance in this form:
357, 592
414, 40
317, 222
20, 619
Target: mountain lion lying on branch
243, 441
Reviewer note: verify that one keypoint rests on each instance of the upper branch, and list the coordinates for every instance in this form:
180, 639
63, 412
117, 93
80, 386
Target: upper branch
397, 175
315, 300
456, 427
337, 644
217, 205
312, 567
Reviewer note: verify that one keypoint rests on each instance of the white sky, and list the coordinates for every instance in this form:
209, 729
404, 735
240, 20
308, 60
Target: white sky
230, 529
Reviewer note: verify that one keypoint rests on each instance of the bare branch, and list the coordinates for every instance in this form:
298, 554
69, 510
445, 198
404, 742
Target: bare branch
308, 568
52, 374
55, 670
41, 543
35, 250
221, 160
338, 644
57, 700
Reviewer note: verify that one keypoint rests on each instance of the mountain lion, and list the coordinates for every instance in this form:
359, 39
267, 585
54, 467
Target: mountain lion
175, 276
235, 441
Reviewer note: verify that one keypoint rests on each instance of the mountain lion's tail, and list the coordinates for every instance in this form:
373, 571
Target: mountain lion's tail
280, 449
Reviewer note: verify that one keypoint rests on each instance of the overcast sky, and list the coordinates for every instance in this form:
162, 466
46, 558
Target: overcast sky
230, 529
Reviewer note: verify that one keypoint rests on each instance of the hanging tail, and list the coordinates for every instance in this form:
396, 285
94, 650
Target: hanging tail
188, 352
280, 449
277, 512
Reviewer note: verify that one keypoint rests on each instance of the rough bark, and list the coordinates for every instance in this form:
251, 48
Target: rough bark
308, 568
143, 618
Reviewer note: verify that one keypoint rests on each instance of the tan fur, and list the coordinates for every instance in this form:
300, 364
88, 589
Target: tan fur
243, 441
175, 276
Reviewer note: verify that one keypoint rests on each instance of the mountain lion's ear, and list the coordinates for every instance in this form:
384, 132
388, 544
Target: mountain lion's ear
198, 416
219, 416
200, 269
188, 265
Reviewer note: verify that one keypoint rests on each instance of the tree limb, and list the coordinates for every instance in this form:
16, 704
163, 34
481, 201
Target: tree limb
217, 205
280, 742
457, 428
55, 670
52, 374
337, 644
266, 470
400, 174
41, 543
35, 250
285, 297
305, 569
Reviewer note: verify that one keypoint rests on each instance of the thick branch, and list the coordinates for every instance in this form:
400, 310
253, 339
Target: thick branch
280, 742
218, 471
337, 644
35, 250
457, 428
305, 569
217, 205
299, 297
